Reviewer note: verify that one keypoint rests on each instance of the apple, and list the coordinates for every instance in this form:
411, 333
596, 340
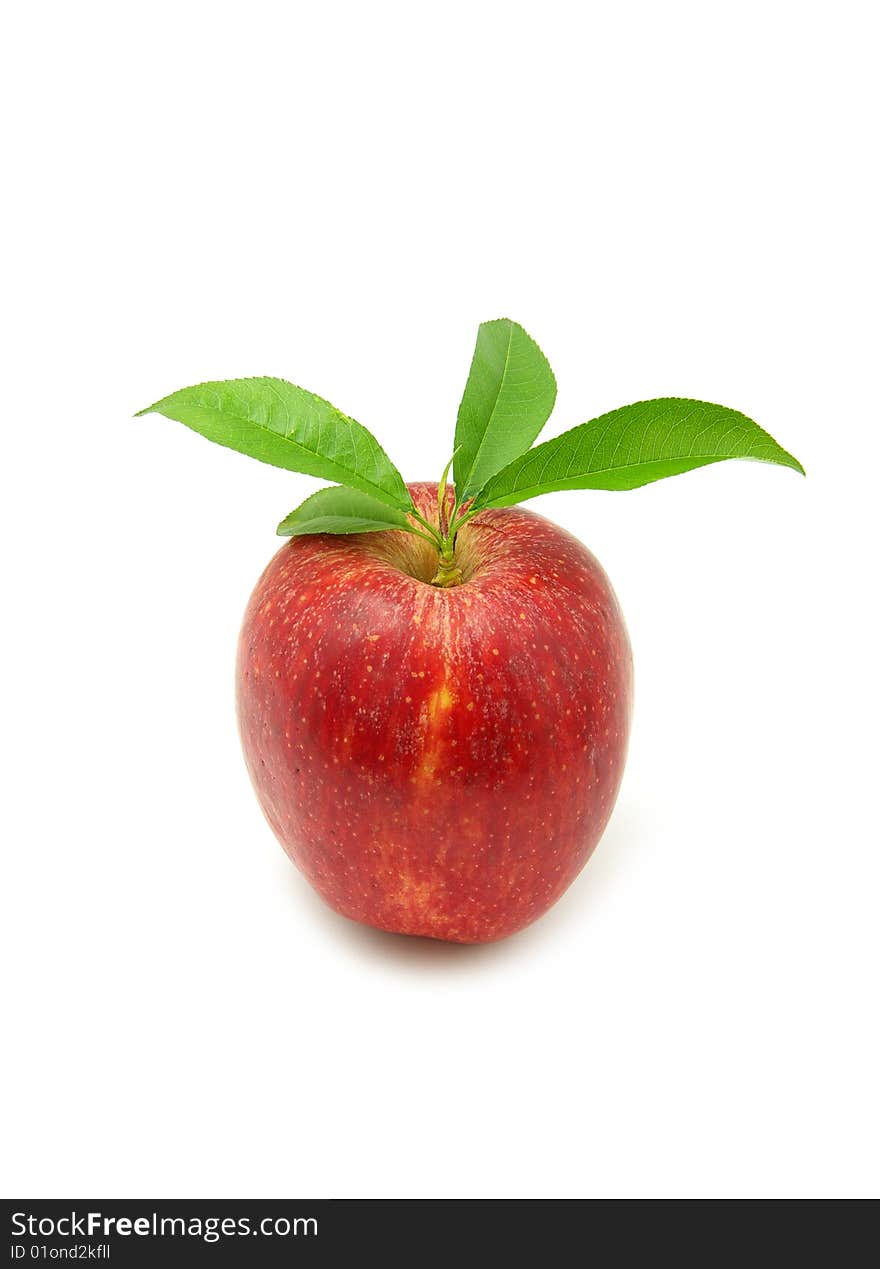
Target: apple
437, 761
434, 686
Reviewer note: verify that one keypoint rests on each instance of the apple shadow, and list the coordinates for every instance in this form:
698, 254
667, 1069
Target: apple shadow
622, 839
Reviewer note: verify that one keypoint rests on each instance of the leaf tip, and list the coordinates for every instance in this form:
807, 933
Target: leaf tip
788, 460
155, 408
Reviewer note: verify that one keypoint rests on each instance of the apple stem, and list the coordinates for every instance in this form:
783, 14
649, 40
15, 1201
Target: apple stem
448, 573
463, 519
442, 535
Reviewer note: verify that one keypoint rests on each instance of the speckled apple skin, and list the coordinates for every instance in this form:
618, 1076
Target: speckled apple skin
437, 762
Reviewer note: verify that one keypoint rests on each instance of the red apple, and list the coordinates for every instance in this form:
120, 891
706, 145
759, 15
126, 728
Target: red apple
438, 762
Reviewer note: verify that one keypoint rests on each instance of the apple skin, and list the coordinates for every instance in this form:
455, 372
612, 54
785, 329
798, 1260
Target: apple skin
438, 762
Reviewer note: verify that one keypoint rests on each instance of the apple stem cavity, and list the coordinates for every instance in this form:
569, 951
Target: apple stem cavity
442, 535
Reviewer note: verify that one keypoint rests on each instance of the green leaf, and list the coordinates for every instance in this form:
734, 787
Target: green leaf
633, 446
341, 510
278, 423
507, 399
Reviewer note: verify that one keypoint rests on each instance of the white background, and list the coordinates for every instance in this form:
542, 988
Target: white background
673, 199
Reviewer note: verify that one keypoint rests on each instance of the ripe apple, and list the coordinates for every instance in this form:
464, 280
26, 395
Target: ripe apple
438, 762
434, 686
